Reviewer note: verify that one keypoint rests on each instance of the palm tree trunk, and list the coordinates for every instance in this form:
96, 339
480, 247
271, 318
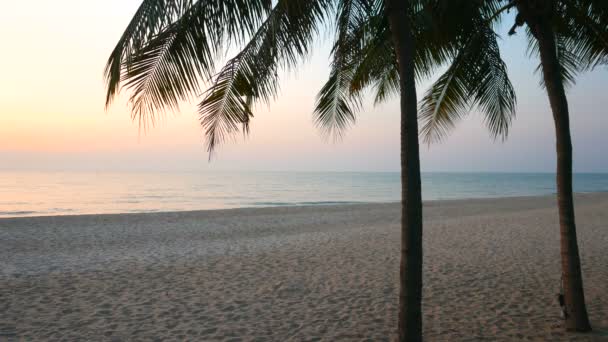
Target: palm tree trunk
410, 271
576, 318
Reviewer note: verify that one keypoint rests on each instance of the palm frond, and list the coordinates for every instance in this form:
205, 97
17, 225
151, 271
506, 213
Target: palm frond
583, 30
438, 33
170, 46
169, 68
476, 78
387, 85
336, 104
280, 42
376, 58
149, 19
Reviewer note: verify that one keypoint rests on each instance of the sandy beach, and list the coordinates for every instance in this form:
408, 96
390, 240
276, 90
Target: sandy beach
325, 273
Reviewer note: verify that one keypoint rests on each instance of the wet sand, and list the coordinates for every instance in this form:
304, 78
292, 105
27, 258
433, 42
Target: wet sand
324, 273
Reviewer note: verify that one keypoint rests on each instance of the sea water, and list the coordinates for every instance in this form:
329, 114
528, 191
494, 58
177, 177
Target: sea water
67, 193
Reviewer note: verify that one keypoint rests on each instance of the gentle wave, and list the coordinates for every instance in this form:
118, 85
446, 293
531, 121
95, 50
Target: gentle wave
13, 203
143, 211
128, 201
19, 212
274, 204
50, 211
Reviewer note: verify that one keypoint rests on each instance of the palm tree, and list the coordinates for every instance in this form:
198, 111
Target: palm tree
170, 47
570, 36
366, 54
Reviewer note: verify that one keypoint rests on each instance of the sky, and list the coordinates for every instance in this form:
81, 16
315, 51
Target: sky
52, 114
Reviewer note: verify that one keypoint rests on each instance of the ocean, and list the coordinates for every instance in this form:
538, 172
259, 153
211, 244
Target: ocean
72, 193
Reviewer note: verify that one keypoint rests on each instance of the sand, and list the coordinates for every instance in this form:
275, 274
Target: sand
325, 273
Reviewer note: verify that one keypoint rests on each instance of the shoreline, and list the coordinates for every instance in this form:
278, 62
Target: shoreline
296, 205
330, 273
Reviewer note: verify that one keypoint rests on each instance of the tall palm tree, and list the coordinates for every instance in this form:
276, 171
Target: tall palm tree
366, 54
170, 48
570, 36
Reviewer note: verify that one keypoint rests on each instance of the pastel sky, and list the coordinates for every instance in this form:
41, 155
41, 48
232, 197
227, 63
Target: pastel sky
52, 112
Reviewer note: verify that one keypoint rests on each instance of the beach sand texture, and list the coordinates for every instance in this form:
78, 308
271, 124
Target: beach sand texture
491, 272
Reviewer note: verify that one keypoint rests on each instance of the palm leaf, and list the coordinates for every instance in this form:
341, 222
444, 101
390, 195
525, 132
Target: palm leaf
149, 19
476, 78
583, 31
163, 62
281, 41
336, 104
169, 68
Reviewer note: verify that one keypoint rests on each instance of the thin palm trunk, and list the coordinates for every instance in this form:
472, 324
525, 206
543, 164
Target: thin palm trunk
410, 271
576, 317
